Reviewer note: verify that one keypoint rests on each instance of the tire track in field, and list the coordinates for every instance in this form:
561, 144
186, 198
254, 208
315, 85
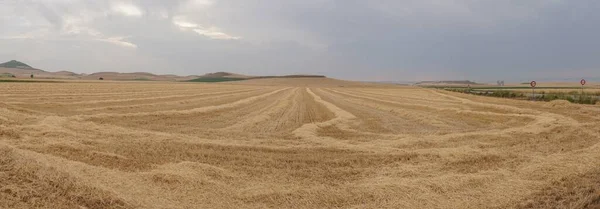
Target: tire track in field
181, 103
309, 131
204, 121
50, 127
378, 119
173, 95
13, 109
189, 111
543, 121
438, 120
245, 121
343, 120
41, 95
186, 100
235, 119
380, 140
272, 113
294, 111
417, 98
78, 93
406, 95
431, 104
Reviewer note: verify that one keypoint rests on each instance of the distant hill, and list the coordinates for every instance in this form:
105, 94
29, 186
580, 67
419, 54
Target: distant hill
215, 79
18, 69
225, 76
217, 74
465, 82
15, 64
315, 81
66, 73
138, 76
220, 77
291, 76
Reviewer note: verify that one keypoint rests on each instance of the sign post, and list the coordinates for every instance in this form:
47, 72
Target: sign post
533, 84
582, 82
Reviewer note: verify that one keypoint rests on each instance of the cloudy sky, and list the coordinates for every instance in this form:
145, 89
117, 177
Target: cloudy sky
349, 39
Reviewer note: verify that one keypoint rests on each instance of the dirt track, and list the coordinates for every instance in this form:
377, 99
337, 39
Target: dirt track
303, 145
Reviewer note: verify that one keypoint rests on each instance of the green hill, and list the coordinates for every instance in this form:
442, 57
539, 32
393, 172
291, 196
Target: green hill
14, 64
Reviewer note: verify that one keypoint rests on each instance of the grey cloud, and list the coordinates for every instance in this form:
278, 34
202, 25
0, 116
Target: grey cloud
50, 15
351, 39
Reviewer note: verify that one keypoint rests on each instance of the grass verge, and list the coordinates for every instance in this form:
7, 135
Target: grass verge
573, 96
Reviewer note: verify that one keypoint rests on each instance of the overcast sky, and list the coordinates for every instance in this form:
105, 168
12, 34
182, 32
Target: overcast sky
348, 39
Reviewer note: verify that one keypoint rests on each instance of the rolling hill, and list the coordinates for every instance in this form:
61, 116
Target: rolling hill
225, 77
15, 64
21, 70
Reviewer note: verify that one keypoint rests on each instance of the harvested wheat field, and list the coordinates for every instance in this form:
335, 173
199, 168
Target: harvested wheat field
300, 144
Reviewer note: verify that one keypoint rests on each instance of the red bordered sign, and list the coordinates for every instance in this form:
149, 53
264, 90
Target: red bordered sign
533, 83
582, 82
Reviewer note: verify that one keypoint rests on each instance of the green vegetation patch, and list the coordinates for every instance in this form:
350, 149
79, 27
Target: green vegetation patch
142, 79
213, 80
573, 96
500, 87
526, 87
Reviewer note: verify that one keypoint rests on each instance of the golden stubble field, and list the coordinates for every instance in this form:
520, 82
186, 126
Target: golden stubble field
300, 143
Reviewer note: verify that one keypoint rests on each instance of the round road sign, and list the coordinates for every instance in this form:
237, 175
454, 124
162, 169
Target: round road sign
533, 83
582, 82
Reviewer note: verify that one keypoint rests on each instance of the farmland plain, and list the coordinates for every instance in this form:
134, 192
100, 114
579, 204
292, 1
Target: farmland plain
290, 143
